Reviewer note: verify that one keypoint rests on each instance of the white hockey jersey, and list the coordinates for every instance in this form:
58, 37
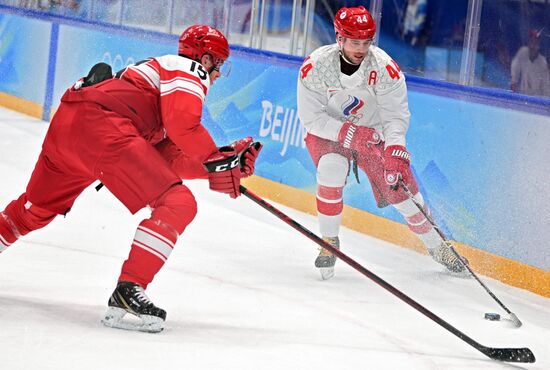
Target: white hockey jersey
532, 77
374, 96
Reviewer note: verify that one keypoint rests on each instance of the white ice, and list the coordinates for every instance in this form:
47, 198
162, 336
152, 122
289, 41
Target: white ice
240, 290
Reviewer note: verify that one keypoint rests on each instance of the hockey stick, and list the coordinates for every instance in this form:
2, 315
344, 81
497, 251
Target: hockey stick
513, 318
500, 354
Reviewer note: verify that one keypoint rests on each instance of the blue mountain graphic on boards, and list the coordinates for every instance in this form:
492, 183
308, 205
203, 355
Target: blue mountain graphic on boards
234, 122
213, 128
448, 207
255, 90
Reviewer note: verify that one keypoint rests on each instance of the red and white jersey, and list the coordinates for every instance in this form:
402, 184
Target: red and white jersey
374, 96
177, 87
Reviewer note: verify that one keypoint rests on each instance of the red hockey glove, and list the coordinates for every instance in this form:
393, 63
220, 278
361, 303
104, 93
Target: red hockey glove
248, 151
224, 174
358, 138
396, 165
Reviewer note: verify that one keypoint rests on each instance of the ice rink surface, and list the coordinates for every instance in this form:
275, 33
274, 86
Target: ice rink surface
240, 290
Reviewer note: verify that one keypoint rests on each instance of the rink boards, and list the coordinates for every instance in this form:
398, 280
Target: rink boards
479, 154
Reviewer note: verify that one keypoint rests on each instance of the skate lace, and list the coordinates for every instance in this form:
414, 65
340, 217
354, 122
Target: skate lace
324, 252
334, 241
140, 295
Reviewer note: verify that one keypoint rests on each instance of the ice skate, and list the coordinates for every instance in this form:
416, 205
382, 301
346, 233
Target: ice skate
445, 256
130, 298
325, 260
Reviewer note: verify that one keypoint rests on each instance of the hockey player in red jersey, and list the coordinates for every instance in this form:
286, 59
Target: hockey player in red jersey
352, 99
140, 134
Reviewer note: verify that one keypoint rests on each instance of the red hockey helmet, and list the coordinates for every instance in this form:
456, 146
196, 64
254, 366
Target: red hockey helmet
354, 23
201, 39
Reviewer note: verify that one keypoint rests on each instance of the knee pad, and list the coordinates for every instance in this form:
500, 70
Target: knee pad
176, 208
332, 170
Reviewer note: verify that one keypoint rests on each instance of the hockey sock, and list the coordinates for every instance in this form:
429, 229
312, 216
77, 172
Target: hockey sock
156, 237
418, 223
151, 247
332, 172
329, 207
19, 218
7, 234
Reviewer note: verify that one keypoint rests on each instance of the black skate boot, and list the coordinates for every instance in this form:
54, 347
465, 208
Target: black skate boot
130, 298
325, 261
445, 256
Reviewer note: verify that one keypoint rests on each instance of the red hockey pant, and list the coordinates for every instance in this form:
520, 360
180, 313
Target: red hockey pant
85, 143
371, 164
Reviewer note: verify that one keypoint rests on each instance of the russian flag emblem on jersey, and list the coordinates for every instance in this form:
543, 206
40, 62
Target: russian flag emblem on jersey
352, 105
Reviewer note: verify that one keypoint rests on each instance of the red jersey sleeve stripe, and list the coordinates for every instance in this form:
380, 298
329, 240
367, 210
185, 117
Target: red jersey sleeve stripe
148, 74
201, 97
153, 63
182, 85
191, 80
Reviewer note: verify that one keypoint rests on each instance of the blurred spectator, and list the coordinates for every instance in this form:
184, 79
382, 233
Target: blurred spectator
529, 69
74, 8
35, 4
414, 20
71, 8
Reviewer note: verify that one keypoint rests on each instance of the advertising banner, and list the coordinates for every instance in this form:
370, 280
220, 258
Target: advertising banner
81, 48
482, 168
24, 54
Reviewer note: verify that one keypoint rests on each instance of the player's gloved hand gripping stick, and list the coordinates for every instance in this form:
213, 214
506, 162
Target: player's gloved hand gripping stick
230, 163
358, 138
248, 151
396, 165
361, 140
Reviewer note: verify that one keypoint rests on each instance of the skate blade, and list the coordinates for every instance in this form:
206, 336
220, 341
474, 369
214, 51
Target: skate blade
456, 275
464, 274
326, 272
114, 318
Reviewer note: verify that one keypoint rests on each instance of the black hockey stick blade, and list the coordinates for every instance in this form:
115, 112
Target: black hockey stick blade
500, 354
515, 322
509, 354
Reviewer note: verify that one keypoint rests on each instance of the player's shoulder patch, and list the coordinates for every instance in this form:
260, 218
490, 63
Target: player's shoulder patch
321, 68
175, 63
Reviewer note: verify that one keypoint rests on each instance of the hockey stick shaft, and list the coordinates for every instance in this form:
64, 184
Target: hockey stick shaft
501, 354
515, 319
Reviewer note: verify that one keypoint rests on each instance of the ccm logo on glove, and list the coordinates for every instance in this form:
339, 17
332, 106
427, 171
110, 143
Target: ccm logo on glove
230, 163
224, 174
226, 166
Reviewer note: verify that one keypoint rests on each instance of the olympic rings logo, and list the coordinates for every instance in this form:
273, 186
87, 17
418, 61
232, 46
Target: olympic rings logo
117, 63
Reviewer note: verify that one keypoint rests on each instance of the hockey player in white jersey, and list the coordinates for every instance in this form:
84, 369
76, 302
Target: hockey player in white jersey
352, 100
